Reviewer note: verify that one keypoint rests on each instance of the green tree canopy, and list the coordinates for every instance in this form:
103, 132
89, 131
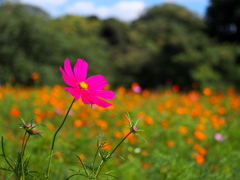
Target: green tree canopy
223, 20
166, 45
184, 54
28, 44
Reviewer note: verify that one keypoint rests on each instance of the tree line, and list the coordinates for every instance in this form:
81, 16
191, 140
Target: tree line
167, 45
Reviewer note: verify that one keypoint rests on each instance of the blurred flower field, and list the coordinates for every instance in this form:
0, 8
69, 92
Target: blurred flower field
191, 135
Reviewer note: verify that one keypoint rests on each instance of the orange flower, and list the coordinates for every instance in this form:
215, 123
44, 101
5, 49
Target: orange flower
38, 119
213, 100
81, 156
217, 122
141, 114
145, 93
50, 114
221, 110
77, 123
207, 113
50, 126
144, 152
196, 146
230, 91
164, 124
182, 110
103, 124
170, 143
121, 90
14, 112
34, 76
131, 137
182, 130
148, 120
146, 165
200, 135
200, 159
199, 149
200, 127
107, 147
176, 88
117, 134
195, 112
58, 155
202, 151
207, 91
160, 108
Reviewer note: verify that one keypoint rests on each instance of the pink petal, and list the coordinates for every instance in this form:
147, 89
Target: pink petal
102, 103
68, 69
74, 91
69, 81
106, 94
96, 82
89, 98
80, 70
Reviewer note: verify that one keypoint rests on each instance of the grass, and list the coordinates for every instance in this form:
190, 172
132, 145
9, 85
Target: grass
179, 128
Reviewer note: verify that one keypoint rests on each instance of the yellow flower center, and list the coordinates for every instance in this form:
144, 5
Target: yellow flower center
83, 85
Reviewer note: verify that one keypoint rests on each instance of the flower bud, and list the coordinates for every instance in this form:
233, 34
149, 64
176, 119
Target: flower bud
134, 129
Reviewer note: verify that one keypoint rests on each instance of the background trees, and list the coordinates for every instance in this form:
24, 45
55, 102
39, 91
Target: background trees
223, 20
167, 45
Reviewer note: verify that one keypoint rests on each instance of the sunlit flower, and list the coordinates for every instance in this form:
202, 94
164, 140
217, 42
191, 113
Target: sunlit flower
89, 90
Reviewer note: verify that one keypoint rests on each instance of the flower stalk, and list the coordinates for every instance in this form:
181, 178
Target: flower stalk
24, 144
54, 139
108, 156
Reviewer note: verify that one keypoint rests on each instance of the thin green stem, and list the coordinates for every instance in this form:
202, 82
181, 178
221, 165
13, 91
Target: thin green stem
25, 145
24, 142
95, 157
82, 165
54, 138
104, 160
4, 155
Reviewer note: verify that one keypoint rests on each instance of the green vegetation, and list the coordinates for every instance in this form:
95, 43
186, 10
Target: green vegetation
189, 136
167, 45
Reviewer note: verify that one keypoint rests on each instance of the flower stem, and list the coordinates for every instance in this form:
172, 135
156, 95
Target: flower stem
54, 138
24, 144
4, 155
95, 157
104, 160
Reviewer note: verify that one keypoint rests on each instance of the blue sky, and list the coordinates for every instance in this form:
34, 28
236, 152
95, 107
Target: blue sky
125, 10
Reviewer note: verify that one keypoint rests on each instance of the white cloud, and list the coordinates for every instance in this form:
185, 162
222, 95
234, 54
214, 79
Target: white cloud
43, 3
123, 10
51, 7
83, 8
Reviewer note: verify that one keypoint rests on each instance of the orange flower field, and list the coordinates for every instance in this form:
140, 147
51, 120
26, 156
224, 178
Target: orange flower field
186, 135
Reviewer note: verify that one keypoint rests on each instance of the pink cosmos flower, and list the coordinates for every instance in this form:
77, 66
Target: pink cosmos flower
219, 137
136, 88
89, 90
